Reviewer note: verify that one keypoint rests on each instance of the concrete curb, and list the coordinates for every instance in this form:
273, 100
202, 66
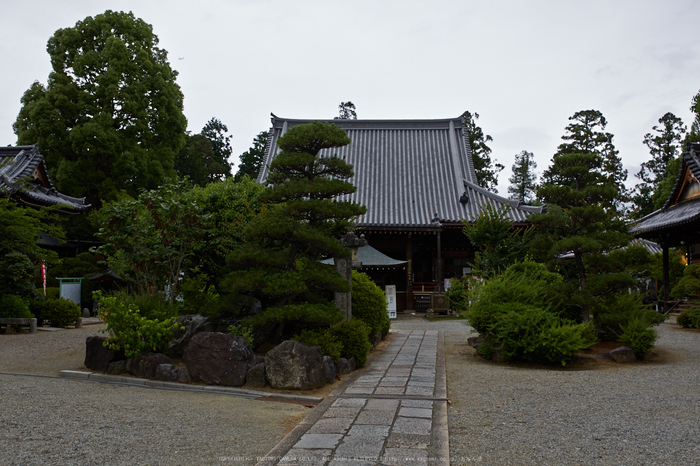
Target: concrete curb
440, 442
161, 385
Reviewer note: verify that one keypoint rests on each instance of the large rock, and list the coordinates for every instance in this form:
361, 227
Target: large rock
167, 372
293, 365
145, 364
97, 357
623, 354
329, 369
194, 324
219, 358
343, 367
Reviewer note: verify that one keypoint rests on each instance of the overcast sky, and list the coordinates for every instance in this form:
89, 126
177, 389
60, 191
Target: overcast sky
524, 66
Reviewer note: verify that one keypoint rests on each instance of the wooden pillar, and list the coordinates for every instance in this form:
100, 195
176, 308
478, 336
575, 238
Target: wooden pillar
439, 260
665, 276
409, 273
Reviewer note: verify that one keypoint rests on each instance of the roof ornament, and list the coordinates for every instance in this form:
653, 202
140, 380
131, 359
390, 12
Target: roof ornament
435, 220
464, 198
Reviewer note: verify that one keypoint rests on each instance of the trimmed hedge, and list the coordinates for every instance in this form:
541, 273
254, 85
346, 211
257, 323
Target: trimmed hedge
369, 304
353, 334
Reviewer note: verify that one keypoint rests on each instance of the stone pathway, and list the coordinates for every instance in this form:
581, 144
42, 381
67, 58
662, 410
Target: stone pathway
394, 413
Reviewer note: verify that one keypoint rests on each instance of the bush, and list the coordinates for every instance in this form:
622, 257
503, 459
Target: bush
61, 312
13, 306
132, 332
616, 310
369, 304
457, 295
690, 318
561, 342
329, 343
689, 284
353, 334
16, 276
149, 306
242, 331
639, 336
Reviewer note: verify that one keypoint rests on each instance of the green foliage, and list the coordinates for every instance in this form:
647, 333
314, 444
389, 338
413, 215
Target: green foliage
16, 278
60, 312
279, 262
617, 310
457, 294
204, 158
323, 338
560, 342
690, 318
252, 159
639, 336
689, 284
20, 229
132, 332
346, 111
149, 306
369, 304
498, 243
354, 335
486, 170
111, 116
319, 313
524, 179
242, 331
148, 239
14, 306
485, 349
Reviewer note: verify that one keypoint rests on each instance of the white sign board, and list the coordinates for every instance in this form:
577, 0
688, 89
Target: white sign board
390, 292
70, 291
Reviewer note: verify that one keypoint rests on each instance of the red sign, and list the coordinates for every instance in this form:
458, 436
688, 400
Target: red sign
43, 276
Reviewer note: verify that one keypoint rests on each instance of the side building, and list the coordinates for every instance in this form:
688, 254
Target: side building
417, 180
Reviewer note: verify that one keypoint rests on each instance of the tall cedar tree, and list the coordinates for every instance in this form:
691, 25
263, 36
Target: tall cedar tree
205, 156
583, 190
665, 146
252, 159
486, 170
524, 179
279, 265
110, 117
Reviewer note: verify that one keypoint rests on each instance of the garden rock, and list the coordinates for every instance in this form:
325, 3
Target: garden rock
603, 357
193, 323
293, 365
183, 375
86, 313
342, 367
256, 376
117, 367
623, 354
166, 372
219, 358
145, 364
329, 369
97, 357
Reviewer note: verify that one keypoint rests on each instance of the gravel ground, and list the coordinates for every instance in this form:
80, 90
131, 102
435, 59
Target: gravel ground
46, 420
601, 414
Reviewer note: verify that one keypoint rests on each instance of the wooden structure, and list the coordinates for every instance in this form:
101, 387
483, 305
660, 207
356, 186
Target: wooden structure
677, 223
418, 182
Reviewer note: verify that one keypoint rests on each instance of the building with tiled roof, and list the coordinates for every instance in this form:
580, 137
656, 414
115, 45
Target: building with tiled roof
24, 177
417, 180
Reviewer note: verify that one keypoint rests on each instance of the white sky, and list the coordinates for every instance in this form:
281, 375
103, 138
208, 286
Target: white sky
524, 66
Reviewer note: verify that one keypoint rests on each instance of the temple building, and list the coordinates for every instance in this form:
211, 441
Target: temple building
417, 180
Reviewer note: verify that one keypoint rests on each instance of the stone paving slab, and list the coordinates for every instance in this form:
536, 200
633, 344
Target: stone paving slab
393, 413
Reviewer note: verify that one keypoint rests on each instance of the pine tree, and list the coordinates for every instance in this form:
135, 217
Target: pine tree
524, 179
486, 170
252, 159
302, 224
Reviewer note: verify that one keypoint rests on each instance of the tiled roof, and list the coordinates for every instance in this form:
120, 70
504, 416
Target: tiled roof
408, 172
370, 257
18, 163
673, 215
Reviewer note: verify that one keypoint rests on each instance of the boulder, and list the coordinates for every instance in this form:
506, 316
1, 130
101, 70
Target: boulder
329, 369
166, 372
117, 367
603, 357
293, 365
256, 376
145, 364
86, 313
97, 357
623, 354
219, 358
194, 324
183, 375
342, 367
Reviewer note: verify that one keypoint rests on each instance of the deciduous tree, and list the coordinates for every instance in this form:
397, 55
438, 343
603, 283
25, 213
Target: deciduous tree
110, 116
205, 157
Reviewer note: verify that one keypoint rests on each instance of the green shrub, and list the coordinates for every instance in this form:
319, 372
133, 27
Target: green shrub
353, 334
14, 306
132, 332
690, 318
149, 306
61, 312
617, 310
485, 349
457, 295
638, 335
329, 343
559, 343
242, 331
52, 292
689, 284
369, 304
317, 314
16, 276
